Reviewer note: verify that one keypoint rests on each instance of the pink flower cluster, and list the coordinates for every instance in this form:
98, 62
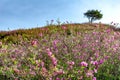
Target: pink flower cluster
83, 63
49, 52
54, 60
40, 34
64, 27
34, 42
70, 64
59, 72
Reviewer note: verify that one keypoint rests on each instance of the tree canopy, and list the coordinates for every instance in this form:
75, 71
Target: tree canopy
93, 15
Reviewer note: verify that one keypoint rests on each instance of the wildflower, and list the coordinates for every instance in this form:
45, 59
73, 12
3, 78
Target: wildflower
49, 52
64, 27
50, 79
94, 78
81, 77
59, 72
55, 42
40, 34
34, 42
108, 30
42, 64
96, 41
58, 78
19, 65
32, 73
44, 71
39, 63
52, 22
96, 25
36, 61
54, 45
96, 55
89, 73
84, 64
101, 61
16, 79
47, 49
94, 62
93, 49
54, 61
71, 63
16, 71
94, 33
0, 43
95, 70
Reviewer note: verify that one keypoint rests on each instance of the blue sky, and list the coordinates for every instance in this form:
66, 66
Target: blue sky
17, 14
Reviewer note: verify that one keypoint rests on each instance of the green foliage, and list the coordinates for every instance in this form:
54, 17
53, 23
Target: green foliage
93, 15
68, 32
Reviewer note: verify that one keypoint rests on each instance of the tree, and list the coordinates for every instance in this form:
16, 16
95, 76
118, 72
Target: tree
93, 15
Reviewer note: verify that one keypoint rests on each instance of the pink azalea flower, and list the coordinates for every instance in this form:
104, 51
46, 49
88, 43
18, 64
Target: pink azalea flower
71, 63
55, 42
54, 61
32, 73
42, 64
0, 43
89, 73
49, 52
58, 78
94, 62
94, 78
85, 64
59, 72
44, 70
101, 61
34, 42
95, 70
16, 71
64, 27
40, 34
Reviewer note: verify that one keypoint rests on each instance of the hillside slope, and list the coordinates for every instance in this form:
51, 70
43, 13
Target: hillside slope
15, 35
61, 52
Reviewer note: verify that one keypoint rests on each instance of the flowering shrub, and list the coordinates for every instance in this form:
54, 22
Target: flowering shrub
91, 54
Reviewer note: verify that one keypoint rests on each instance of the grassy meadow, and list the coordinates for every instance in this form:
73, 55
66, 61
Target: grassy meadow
61, 52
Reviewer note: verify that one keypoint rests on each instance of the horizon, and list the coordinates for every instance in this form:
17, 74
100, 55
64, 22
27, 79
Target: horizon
16, 14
